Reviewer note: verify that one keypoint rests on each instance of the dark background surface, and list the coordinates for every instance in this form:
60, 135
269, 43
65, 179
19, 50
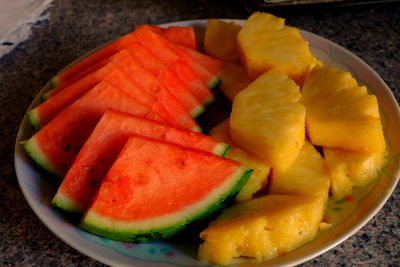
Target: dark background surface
371, 32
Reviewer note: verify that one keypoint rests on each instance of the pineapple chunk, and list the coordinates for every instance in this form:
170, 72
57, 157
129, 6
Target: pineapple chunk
259, 176
341, 114
261, 228
233, 79
264, 42
349, 169
308, 176
220, 39
268, 121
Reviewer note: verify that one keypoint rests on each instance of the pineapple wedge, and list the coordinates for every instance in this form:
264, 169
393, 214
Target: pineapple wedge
264, 42
308, 176
341, 114
350, 169
220, 39
261, 228
268, 121
233, 78
259, 176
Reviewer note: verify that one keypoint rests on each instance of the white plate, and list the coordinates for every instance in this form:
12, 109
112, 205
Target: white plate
39, 191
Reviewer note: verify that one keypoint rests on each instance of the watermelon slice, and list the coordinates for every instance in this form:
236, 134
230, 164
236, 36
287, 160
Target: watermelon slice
169, 53
155, 189
176, 34
45, 112
202, 65
92, 59
166, 76
156, 89
56, 145
104, 144
169, 77
212, 64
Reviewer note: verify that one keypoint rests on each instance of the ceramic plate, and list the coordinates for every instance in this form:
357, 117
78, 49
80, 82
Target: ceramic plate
354, 212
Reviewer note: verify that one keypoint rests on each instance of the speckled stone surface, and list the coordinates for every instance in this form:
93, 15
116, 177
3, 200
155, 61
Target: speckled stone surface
371, 32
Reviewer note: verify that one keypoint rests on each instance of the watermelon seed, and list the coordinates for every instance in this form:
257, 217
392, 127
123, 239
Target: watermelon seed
67, 147
89, 169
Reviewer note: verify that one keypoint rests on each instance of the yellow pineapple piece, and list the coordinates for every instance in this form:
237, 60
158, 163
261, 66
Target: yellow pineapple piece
233, 79
350, 169
340, 113
261, 228
220, 39
264, 42
259, 176
308, 176
268, 121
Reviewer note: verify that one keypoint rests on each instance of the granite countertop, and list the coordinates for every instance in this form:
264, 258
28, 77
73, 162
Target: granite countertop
372, 32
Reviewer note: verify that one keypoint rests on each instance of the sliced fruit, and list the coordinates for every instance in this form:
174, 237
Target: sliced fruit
265, 42
176, 34
168, 53
177, 185
48, 110
350, 169
268, 121
82, 74
211, 64
56, 145
93, 58
340, 113
308, 176
261, 228
259, 177
169, 77
181, 35
233, 78
106, 142
150, 84
220, 39
205, 67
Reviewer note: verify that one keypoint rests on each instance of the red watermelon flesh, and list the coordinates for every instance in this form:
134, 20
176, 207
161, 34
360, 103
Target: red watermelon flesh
106, 141
93, 58
176, 34
65, 83
154, 188
181, 35
46, 111
155, 88
168, 53
169, 77
210, 63
56, 145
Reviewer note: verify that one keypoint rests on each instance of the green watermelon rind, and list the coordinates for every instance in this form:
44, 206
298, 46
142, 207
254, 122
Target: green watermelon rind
221, 149
213, 83
54, 81
46, 96
197, 111
65, 203
106, 227
36, 154
33, 118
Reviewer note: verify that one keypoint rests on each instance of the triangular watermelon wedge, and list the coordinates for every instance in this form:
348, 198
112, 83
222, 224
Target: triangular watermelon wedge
166, 76
178, 35
155, 189
56, 145
46, 111
104, 144
104, 52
